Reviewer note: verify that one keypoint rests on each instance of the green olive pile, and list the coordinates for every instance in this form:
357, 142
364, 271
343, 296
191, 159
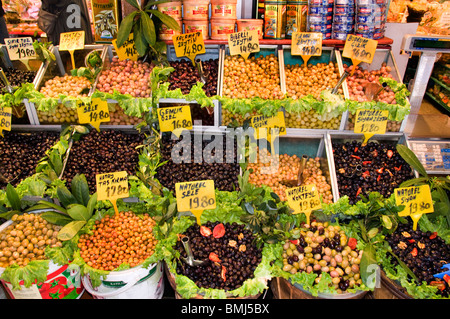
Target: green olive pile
324, 248
26, 239
229, 253
74, 86
105, 152
20, 153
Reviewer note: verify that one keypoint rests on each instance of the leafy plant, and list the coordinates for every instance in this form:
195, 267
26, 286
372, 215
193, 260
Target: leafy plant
43, 51
143, 23
71, 209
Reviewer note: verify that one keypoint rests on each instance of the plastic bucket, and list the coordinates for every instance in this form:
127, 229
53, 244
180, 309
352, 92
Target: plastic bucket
195, 9
63, 282
134, 283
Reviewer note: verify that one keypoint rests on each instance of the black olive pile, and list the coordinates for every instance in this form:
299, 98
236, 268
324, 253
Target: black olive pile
237, 256
186, 75
17, 77
20, 153
374, 167
423, 252
105, 152
224, 175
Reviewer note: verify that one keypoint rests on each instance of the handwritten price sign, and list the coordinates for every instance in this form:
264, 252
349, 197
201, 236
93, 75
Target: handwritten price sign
417, 201
5, 119
20, 48
189, 45
359, 49
243, 43
71, 41
127, 50
269, 127
112, 186
304, 199
195, 197
94, 112
370, 122
175, 119
306, 44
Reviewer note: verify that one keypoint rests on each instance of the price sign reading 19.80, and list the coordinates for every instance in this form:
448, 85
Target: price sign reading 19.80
94, 112
189, 45
359, 49
195, 197
127, 50
20, 48
370, 122
175, 119
112, 186
417, 201
5, 119
306, 44
243, 43
303, 199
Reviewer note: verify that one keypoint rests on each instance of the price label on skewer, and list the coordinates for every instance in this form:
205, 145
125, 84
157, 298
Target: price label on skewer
269, 127
370, 122
195, 197
175, 119
94, 112
112, 186
71, 41
189, 45
417, 201
243, 43
20, 49
304, 199
306, 44
127, 50
359, 49
5, 119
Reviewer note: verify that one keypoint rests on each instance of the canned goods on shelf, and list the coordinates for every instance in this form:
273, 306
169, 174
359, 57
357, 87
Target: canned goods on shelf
320, 27
339, 35
344, 9
345, 2
368, 2
362, 27
343, 18
369, 18
371, 9
320, 2
320, 9
343, 27
319, 19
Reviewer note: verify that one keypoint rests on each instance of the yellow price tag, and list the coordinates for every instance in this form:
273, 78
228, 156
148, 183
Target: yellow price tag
195, 197
112, 186
417, 201
175, 119
93, 113
127, 50
20, 48
304, 199
71, 41
189, 45
370, 122
5, 119
359, 49
243, 43
306, 44
269, 127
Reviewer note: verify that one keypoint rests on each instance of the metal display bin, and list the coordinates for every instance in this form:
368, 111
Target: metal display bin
393, 138
35, 65
296, 121
61, 66
265, 50
381, 56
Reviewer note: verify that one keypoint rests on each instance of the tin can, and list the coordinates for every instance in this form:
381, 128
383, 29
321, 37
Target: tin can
261, 9
339, 35
344, 9
343, 18
370, 9
314, 9
296, 17
320, 2
345, 2
322, 28
275, 20
371, 19
343, 27
320, 19
368, 2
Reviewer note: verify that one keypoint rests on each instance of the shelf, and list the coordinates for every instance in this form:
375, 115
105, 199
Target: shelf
440, 83
438, 101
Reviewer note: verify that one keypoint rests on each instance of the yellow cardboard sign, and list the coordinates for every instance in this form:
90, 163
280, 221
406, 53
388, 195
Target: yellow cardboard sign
94, 112
269, 127
243, 43
112, 186
359, 49
71, 41
417, 201
370, 122
5, 119
195, 197
304, 199
175, 119
127, 50
306, 44
20, 48
189, 45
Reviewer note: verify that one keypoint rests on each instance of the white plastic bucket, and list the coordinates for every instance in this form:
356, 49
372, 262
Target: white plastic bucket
134, 283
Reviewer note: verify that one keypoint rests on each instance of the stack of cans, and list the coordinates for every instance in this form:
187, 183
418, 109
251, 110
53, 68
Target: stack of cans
320, 17
370, 19
343, 19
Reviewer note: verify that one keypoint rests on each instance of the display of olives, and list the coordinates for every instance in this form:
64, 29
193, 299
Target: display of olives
186, 75
103, 152
311, 120
73, 86
26, 238
18, 77
374, 167
187, 167
20, 153
230, 255
423, 252
324, 248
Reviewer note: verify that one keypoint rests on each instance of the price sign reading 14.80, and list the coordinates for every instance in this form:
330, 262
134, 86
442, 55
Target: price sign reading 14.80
189, 45
94, 112
243, 43
306, 44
